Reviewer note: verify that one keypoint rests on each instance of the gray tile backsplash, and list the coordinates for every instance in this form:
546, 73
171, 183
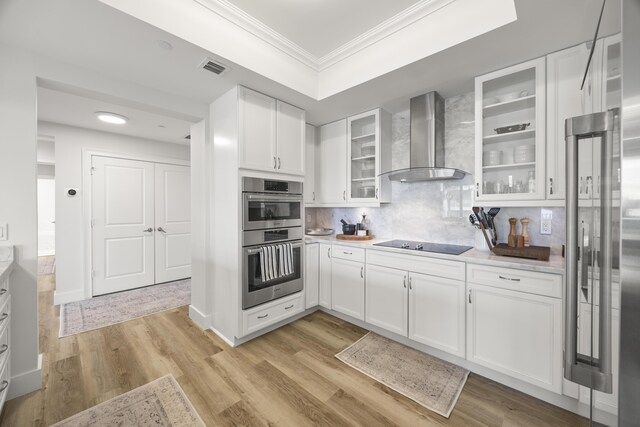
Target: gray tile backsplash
438, 211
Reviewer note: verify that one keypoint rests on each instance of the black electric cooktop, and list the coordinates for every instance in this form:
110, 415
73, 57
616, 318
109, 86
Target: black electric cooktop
441, 248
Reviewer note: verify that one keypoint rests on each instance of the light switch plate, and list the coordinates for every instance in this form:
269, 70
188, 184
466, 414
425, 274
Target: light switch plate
546, 216
4, 231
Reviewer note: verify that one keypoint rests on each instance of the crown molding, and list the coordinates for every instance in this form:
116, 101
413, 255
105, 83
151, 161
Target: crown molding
407, 17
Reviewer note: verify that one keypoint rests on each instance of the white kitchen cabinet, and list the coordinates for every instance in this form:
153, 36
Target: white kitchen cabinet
347, 287
271, 134
257, 130
311, 274
437, 312
368, 155
311, 143
510, 165
387, 298
290, 138
324, 275
331, 164
605, 401
516, 333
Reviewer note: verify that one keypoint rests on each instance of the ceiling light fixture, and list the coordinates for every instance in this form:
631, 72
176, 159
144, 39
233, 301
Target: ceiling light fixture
111, 118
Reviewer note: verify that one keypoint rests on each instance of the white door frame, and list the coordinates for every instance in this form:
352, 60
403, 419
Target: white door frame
87, 154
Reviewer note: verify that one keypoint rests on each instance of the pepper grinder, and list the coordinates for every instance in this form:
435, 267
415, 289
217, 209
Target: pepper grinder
525, 230
511, 240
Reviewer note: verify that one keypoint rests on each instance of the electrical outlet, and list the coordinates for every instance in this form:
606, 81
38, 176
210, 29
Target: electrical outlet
546, 216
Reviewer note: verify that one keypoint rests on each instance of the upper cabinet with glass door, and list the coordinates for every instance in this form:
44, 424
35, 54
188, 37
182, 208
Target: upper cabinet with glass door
368, 151
510, 133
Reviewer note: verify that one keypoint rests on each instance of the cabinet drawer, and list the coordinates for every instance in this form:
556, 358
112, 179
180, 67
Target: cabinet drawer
5, 314
4, 346
347, 252
418, 264
532, 282
270, 313
5, 378
4, 291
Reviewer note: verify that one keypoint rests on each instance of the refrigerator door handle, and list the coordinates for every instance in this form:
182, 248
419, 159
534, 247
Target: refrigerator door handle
584, 369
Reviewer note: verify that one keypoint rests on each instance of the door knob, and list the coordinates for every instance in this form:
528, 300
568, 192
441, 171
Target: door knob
162, 230
148, 230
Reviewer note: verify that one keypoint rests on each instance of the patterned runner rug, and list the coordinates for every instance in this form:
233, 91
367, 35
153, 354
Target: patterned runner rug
432, 382
106, 310
159, 403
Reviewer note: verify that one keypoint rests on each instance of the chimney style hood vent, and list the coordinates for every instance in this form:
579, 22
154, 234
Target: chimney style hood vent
426, 161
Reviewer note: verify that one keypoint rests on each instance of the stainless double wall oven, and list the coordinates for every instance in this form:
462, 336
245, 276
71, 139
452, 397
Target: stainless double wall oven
271, 216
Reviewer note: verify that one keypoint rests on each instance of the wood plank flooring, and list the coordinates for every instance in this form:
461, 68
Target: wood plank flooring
288, 377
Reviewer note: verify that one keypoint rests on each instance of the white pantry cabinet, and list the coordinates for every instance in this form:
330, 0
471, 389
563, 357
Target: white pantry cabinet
311, 143
387, 298
347, 287
311, 274
331, 164
516, 333
271, 134
324, 275
437, 312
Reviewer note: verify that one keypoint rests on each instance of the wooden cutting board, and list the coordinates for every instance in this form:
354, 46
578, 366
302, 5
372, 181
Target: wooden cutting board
353, 237
531, 252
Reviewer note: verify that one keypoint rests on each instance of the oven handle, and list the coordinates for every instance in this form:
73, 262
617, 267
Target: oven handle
278, 197
257, 249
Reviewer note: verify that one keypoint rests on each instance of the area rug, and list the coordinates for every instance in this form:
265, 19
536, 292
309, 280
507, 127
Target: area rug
46, 265
431, 382
106, 310
159, 403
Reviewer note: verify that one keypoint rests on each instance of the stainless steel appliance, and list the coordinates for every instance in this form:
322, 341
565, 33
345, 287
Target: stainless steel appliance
272, 215
440, 248
271, 203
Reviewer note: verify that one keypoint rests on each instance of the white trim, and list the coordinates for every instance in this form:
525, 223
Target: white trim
222, 337
26, 382
201, 319
87, 154
242, 19
67, 297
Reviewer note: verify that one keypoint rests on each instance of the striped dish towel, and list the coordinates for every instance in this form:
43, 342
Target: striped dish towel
276, 261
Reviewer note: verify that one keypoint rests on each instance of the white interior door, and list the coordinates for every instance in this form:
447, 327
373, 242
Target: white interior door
123, 224
173, 222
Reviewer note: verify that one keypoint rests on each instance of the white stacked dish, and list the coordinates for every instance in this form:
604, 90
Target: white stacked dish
525, 154
492, 157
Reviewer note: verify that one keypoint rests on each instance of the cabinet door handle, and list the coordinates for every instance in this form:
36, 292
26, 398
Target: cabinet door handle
404, 282
5, 384
263, 317
147, 230
509, 278
362, 272
3, 316
3, 291
314, 196
4, 348
376, 193
550, 185
279, 163
410, 286
581, 185
290, 307
477, 189
347, 253
328, 252
344, 195
469, 296
274, 162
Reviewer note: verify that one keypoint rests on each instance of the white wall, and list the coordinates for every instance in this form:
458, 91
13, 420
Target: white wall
18, 118
46, 216
70, 243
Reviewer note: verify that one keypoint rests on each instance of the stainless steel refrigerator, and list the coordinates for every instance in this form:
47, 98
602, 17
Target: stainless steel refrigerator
602, 298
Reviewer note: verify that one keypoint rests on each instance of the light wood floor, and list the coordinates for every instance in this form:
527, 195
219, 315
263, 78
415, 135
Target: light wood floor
289, 377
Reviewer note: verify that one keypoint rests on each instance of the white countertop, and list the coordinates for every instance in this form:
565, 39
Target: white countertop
6, 261
555, 264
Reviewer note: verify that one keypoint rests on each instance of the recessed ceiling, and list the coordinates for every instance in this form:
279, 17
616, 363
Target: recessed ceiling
321, 26
74, 110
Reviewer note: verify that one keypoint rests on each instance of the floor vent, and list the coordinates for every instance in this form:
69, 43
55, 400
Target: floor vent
214, 66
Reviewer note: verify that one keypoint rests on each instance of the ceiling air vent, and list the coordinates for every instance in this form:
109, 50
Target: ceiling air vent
214, 66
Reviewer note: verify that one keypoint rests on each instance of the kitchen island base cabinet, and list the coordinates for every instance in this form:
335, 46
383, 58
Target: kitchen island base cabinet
516, 333
437, 312
311, 274
386, 298
347, 287
324, 275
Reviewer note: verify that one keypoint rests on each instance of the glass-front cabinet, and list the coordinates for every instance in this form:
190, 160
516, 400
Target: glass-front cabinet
366, 145
510, 133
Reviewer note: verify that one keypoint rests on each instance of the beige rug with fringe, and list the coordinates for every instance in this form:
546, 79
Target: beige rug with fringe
107, 310
431, 382
159, 403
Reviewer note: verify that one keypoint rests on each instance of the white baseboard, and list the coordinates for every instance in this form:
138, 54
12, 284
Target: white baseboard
222, 337
202, 320
67, 297
26, 382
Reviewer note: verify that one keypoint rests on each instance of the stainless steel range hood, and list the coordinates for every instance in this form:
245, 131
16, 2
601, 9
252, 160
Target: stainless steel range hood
426, 161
